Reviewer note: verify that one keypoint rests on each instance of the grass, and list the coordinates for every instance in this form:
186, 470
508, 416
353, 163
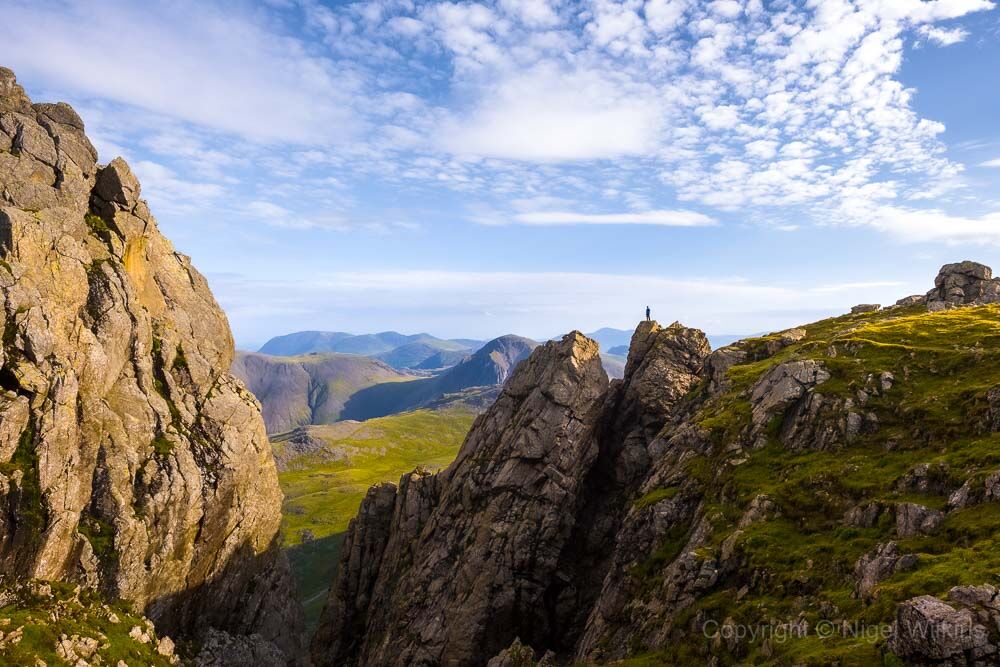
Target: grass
31, 515
42, 612
801, 560
656, 495
322, 495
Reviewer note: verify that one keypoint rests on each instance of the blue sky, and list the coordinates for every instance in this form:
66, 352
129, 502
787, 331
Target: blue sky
533, 166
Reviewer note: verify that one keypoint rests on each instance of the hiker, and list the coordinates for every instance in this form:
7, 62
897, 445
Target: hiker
647, 313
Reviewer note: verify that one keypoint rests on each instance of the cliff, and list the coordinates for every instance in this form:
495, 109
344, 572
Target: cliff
821, 495
130, 460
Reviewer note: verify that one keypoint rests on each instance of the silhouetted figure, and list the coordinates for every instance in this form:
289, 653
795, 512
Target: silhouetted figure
647, 313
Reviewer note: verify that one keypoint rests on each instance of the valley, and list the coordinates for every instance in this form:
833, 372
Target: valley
327, 474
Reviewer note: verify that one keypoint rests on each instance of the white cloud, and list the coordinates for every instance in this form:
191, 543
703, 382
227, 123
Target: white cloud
406, 26
991, 163
169, 193
536, 13
665, 15
547, 114
932, 225
220, 69
944, 36
541, 304
680, 218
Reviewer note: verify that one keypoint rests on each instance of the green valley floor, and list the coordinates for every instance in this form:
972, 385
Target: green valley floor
323, 488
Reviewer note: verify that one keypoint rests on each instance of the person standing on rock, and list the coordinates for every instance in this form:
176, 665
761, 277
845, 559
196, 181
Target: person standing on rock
647, 313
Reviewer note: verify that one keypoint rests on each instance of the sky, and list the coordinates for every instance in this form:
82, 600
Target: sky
535, 166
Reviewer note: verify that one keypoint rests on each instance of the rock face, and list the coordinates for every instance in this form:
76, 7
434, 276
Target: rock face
130, 460
511, 540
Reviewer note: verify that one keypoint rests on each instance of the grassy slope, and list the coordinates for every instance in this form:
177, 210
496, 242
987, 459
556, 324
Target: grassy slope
35, 615
944, 363
322, 496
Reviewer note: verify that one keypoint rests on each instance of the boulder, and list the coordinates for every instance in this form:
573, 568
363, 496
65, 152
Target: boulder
878, 565
929, 631
913, 519
782, 386
865, 308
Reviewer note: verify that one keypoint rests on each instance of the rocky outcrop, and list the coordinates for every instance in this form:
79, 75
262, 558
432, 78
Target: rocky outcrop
962, 284
130, 460
453, 568
782, 386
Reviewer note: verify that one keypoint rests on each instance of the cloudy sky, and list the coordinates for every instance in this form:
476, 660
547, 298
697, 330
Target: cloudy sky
533, 166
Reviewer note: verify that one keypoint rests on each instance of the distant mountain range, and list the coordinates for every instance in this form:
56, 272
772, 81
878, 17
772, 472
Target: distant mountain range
320, 377
324, 387
304, 342
310, 388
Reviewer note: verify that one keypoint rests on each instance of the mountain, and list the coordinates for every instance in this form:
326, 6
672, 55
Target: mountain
309, 389
480, 372
813, 482
423, 356
442, 359
133, 466
614, 365
306, 342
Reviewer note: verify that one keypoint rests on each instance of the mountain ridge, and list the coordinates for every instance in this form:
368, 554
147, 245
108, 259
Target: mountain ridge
833, 474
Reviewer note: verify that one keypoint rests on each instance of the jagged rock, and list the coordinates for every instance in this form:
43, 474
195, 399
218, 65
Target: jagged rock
963, 283
975, 491
221, 649
783, 340
926, 478
782, 386
761, 508
865, 308
116, 386
116, 184
663, 364
719, 362
519, 655
880, 564
518, 472
991, 424
913, 519
512, 539
928, 631
864, 516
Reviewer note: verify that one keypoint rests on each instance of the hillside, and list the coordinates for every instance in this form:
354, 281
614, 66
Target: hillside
131, 462
326, 470
310, 389
424, 356
488, 367
834, 483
